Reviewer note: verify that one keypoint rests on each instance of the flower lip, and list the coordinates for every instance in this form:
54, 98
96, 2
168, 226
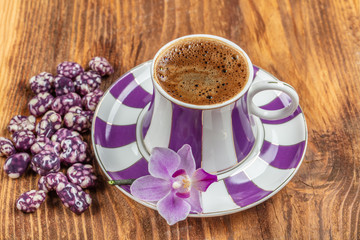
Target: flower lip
201, 180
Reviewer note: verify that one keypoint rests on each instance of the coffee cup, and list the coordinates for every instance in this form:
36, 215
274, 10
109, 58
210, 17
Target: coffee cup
206, 106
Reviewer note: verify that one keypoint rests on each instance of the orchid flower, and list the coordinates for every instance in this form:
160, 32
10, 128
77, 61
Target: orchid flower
173, 183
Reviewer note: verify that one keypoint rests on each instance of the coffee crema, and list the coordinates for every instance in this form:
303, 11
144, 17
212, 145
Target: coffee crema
201, 71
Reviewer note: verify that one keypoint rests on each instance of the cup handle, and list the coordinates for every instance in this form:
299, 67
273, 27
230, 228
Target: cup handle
272, 114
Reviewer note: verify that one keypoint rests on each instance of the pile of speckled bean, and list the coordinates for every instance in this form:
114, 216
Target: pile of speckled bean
49, 138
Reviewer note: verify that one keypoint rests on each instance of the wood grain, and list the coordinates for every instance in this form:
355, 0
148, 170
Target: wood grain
313, 45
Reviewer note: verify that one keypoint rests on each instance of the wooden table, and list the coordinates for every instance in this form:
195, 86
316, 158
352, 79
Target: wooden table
313, 45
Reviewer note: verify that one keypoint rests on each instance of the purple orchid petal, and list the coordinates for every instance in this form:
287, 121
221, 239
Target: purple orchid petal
187, 159
194, 201
179, 172
163, 163
173, 208
183, 194
201, 180
149, 188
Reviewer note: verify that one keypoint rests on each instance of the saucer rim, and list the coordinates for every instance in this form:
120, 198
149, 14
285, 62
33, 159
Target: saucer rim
196, 215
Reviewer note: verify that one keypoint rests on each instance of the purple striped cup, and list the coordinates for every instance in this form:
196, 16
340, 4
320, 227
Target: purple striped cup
221, 135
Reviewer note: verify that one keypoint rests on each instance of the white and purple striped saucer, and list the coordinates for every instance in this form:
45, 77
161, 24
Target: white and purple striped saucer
279, 155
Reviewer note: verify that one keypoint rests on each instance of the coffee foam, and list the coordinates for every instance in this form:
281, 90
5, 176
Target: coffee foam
201, 71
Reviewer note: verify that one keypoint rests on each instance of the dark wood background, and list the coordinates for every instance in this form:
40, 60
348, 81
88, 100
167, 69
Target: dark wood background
313, 45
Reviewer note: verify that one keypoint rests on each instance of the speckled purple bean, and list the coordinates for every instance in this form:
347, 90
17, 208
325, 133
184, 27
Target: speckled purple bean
49, 124
77, 120
69, 69
19, 122
87, 82
101, 65
54, 118
44, 128
16, 164
41, 82
41, 103
91, 100
23, 140
87, 113
30, 201
42, 185
43, 143
76, 109
73, 197
63, 85
63, 103
49, 182
45, 162
82, 175
6, 147
74, 150
63, 133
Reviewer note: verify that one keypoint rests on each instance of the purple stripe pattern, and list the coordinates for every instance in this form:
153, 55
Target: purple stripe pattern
281, 101
256, 69
137, 98
186, 128
112, 136
243, 191
243, 136
147, 118
284, 157
128, 91
121, 84
139, 169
